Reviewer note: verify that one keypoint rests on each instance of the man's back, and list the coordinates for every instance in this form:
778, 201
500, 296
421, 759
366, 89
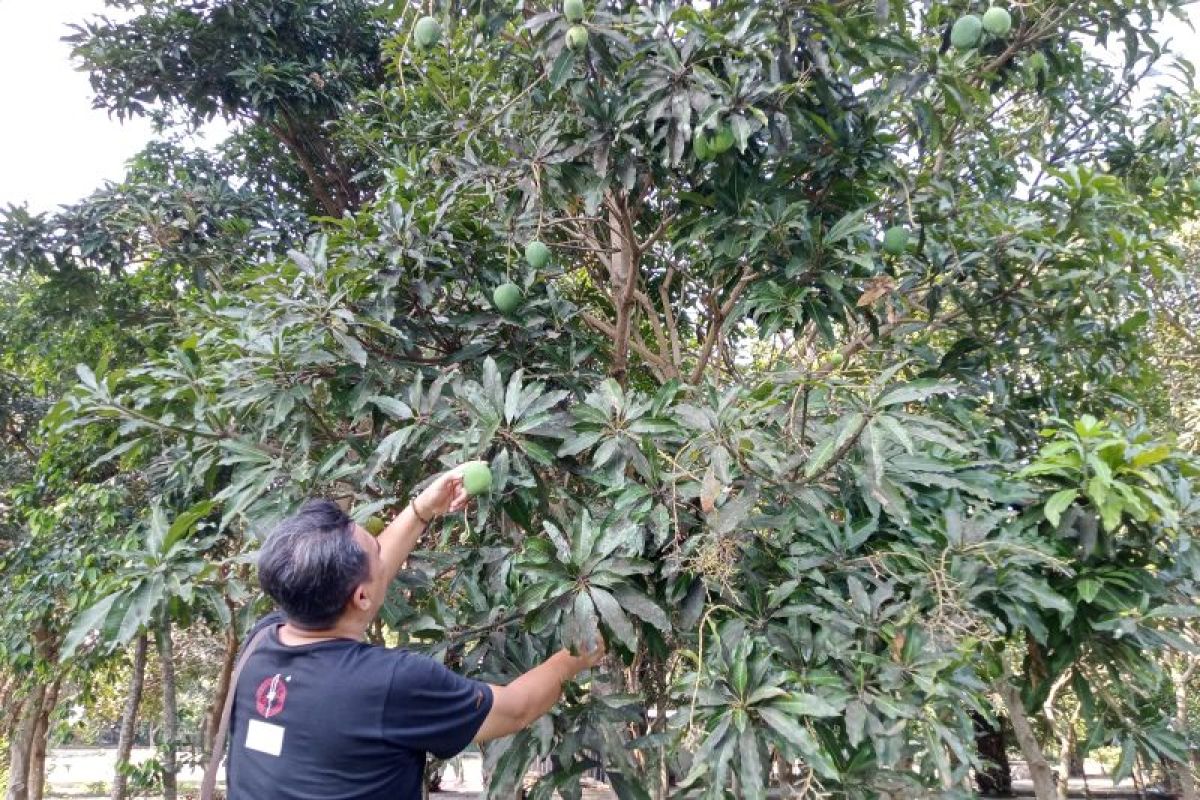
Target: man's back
341, 719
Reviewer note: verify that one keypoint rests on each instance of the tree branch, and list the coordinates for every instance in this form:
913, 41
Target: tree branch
718, 322
664, 295
655, 362
656, 234
660, 336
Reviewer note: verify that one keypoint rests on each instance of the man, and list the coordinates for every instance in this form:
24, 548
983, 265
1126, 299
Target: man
317, 713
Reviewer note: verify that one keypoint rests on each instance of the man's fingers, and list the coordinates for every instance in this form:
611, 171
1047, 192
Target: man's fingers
458, 497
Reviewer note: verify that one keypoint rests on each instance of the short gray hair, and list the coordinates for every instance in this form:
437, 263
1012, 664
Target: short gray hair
311, 563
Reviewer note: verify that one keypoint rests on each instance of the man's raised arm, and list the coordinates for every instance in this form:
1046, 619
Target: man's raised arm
397, 540
520, 703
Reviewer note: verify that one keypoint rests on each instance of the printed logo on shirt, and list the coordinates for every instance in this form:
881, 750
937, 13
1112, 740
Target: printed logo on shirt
271, 695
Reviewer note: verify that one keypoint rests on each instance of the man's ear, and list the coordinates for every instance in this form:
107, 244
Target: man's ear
361, 599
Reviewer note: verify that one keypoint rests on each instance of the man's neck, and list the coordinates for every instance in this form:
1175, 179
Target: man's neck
293, 636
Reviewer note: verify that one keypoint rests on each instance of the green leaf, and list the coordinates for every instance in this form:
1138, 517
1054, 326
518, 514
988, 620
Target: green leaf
1173, 611
512, 766
614, 617
797, 736
1058, 503
1037, 590
896, 431
846, 227
581, 629
804, 704
578, 443
626, 788
91, 619
750, 767
397, 409
561, 71
1125, 763
1110, 513
915, 392
643, 608
701, 761
765, 693
1152, 456
613, 396
820, 457
184, 523
141, 604
352, 346
1087, 588
856, 721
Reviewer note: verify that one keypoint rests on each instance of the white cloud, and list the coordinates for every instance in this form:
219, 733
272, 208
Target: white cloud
55, 148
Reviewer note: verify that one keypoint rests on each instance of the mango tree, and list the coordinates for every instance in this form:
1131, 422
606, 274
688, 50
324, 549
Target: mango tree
772, 453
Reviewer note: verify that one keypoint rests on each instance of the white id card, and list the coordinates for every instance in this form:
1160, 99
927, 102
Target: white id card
264, 737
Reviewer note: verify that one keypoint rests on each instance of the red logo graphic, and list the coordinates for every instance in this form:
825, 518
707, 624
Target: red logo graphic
271, 695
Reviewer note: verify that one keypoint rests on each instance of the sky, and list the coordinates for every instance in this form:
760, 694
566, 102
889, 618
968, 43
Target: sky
56, 148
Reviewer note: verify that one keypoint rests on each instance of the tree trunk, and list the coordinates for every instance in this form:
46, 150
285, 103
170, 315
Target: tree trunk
1064, 765
170, 730
7, 687
1066, 739
1182, 675
327, 195
1039, 769
20, 749
623, 282
217, 706
129, 717
37, 758
996, 778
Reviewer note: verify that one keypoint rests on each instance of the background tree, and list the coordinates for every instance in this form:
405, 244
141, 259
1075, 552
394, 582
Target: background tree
831, 495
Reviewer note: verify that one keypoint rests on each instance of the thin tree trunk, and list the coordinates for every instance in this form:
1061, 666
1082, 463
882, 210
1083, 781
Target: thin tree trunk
322, 191
623, 279
1039, 769
170, 713
1064, 734
1064, 765
129, 717
7, 686
218, 702
663, 787
21, 747
996, 777
37, 758
1187, 779
13, 706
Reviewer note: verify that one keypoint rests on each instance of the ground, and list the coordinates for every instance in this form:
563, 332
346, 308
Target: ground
84, 774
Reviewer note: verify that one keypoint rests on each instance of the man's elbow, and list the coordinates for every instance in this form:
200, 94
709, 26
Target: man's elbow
535, 705
512, 711
529, 712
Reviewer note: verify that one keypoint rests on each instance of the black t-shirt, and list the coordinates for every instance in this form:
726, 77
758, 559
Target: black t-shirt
337, 720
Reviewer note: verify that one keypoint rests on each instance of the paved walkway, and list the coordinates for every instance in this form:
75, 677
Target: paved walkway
85, 773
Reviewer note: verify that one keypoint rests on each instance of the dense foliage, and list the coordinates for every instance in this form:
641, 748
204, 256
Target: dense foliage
836, 506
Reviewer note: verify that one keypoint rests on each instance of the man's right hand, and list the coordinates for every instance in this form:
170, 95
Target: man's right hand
590, 658
520, 703
445, 495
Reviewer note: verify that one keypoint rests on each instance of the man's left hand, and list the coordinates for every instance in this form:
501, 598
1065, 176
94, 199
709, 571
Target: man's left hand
444, 495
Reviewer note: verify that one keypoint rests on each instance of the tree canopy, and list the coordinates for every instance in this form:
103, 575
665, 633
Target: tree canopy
838, 501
